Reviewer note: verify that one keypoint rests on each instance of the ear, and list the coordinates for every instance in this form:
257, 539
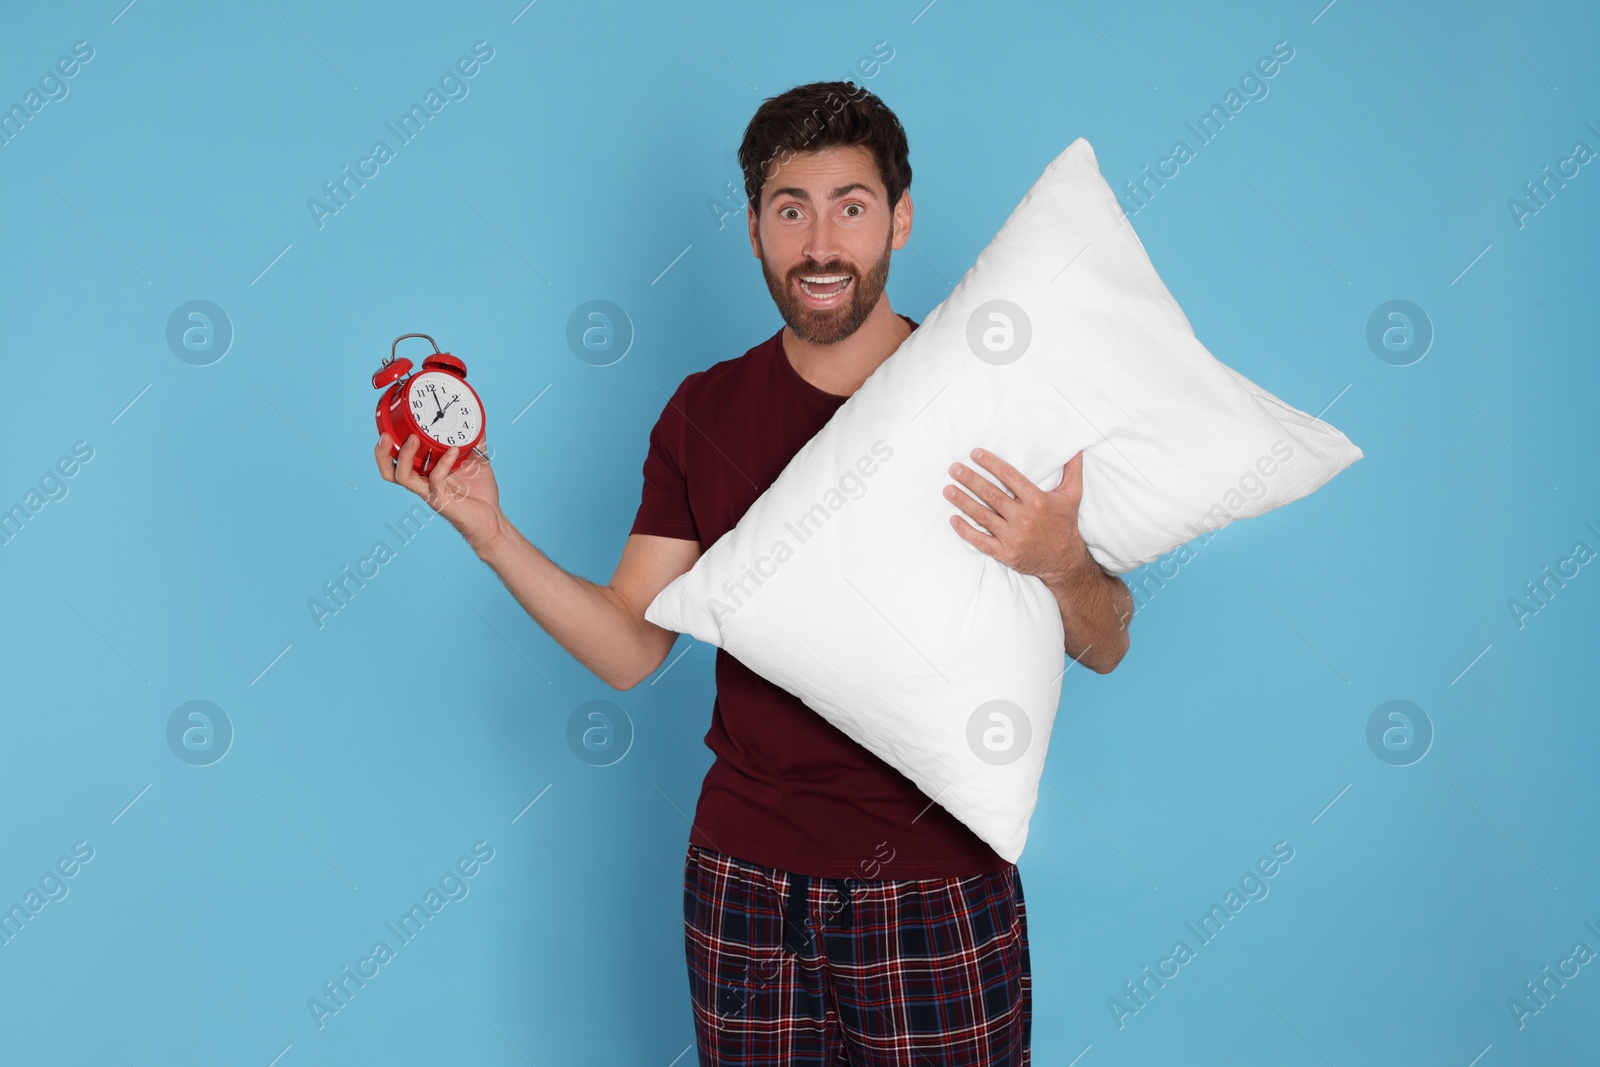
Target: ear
901, 224
755, 237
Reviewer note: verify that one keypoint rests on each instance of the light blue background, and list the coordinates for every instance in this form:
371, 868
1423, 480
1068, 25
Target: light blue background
432, 710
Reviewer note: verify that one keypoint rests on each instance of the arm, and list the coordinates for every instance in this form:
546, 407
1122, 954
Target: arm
1096, 608
1036, 532
603, 626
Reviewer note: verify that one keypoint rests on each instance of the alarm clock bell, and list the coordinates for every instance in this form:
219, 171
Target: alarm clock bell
435, 403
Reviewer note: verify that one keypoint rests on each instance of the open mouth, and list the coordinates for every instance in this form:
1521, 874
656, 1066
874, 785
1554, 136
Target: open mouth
824, 287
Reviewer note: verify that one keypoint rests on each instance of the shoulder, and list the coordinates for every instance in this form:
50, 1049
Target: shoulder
712, 387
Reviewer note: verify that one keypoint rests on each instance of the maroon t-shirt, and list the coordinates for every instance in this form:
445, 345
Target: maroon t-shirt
788, 789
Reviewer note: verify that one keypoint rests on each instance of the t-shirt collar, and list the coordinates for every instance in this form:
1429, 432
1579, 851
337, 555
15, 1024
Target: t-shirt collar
786, 369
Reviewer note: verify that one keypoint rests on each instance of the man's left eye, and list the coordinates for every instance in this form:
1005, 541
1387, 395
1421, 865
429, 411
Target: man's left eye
856, 208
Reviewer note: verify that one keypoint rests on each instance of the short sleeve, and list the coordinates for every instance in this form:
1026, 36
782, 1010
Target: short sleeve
664, 508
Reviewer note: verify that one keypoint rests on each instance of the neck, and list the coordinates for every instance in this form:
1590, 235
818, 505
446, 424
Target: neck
841, 368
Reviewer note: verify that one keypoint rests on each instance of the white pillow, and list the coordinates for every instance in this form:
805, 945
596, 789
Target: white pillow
844, 583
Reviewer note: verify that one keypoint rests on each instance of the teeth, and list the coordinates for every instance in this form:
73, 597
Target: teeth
842, 280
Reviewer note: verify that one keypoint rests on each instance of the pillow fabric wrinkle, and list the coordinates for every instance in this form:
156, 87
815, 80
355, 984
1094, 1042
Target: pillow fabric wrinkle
933, 655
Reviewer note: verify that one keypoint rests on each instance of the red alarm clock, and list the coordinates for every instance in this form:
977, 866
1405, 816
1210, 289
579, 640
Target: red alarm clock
436, 404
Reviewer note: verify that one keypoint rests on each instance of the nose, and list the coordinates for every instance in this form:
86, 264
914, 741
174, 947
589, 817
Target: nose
822, 243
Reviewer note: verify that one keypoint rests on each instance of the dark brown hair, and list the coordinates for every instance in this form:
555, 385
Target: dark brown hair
823, 115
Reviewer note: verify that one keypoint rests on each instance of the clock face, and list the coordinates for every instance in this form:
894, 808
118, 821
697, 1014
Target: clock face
444, 407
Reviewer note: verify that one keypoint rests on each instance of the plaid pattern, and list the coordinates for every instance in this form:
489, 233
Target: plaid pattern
787, 970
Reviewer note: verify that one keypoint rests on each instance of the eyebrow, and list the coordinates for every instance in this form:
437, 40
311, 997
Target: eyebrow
834, 194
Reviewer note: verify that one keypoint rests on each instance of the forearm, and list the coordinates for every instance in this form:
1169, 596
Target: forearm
1096, 609
592, 622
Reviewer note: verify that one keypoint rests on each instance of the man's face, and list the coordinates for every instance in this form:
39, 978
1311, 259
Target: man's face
824, 235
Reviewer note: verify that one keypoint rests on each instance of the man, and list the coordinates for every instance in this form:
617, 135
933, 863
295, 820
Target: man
832, 913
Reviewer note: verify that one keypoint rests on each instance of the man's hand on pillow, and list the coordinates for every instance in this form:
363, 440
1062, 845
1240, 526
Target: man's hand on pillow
1035, 531
1029, 530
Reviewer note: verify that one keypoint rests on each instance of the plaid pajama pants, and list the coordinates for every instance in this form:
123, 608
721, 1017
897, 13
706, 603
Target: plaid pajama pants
786, 970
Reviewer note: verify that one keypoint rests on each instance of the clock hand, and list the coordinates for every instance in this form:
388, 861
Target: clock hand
439, 405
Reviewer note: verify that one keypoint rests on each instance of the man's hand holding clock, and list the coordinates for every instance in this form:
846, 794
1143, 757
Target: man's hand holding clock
424, 459
467, 495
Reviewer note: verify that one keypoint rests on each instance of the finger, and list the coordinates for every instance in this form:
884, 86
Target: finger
983, 542
1009, 476
1072, 475
1070, 489
384, 457
982, 488
472, 461
441, 471
984, 516
405, 470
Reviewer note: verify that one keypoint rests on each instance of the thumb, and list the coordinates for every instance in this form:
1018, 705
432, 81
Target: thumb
1071, 474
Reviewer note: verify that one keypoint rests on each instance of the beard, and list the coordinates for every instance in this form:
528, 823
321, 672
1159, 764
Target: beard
827, 326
